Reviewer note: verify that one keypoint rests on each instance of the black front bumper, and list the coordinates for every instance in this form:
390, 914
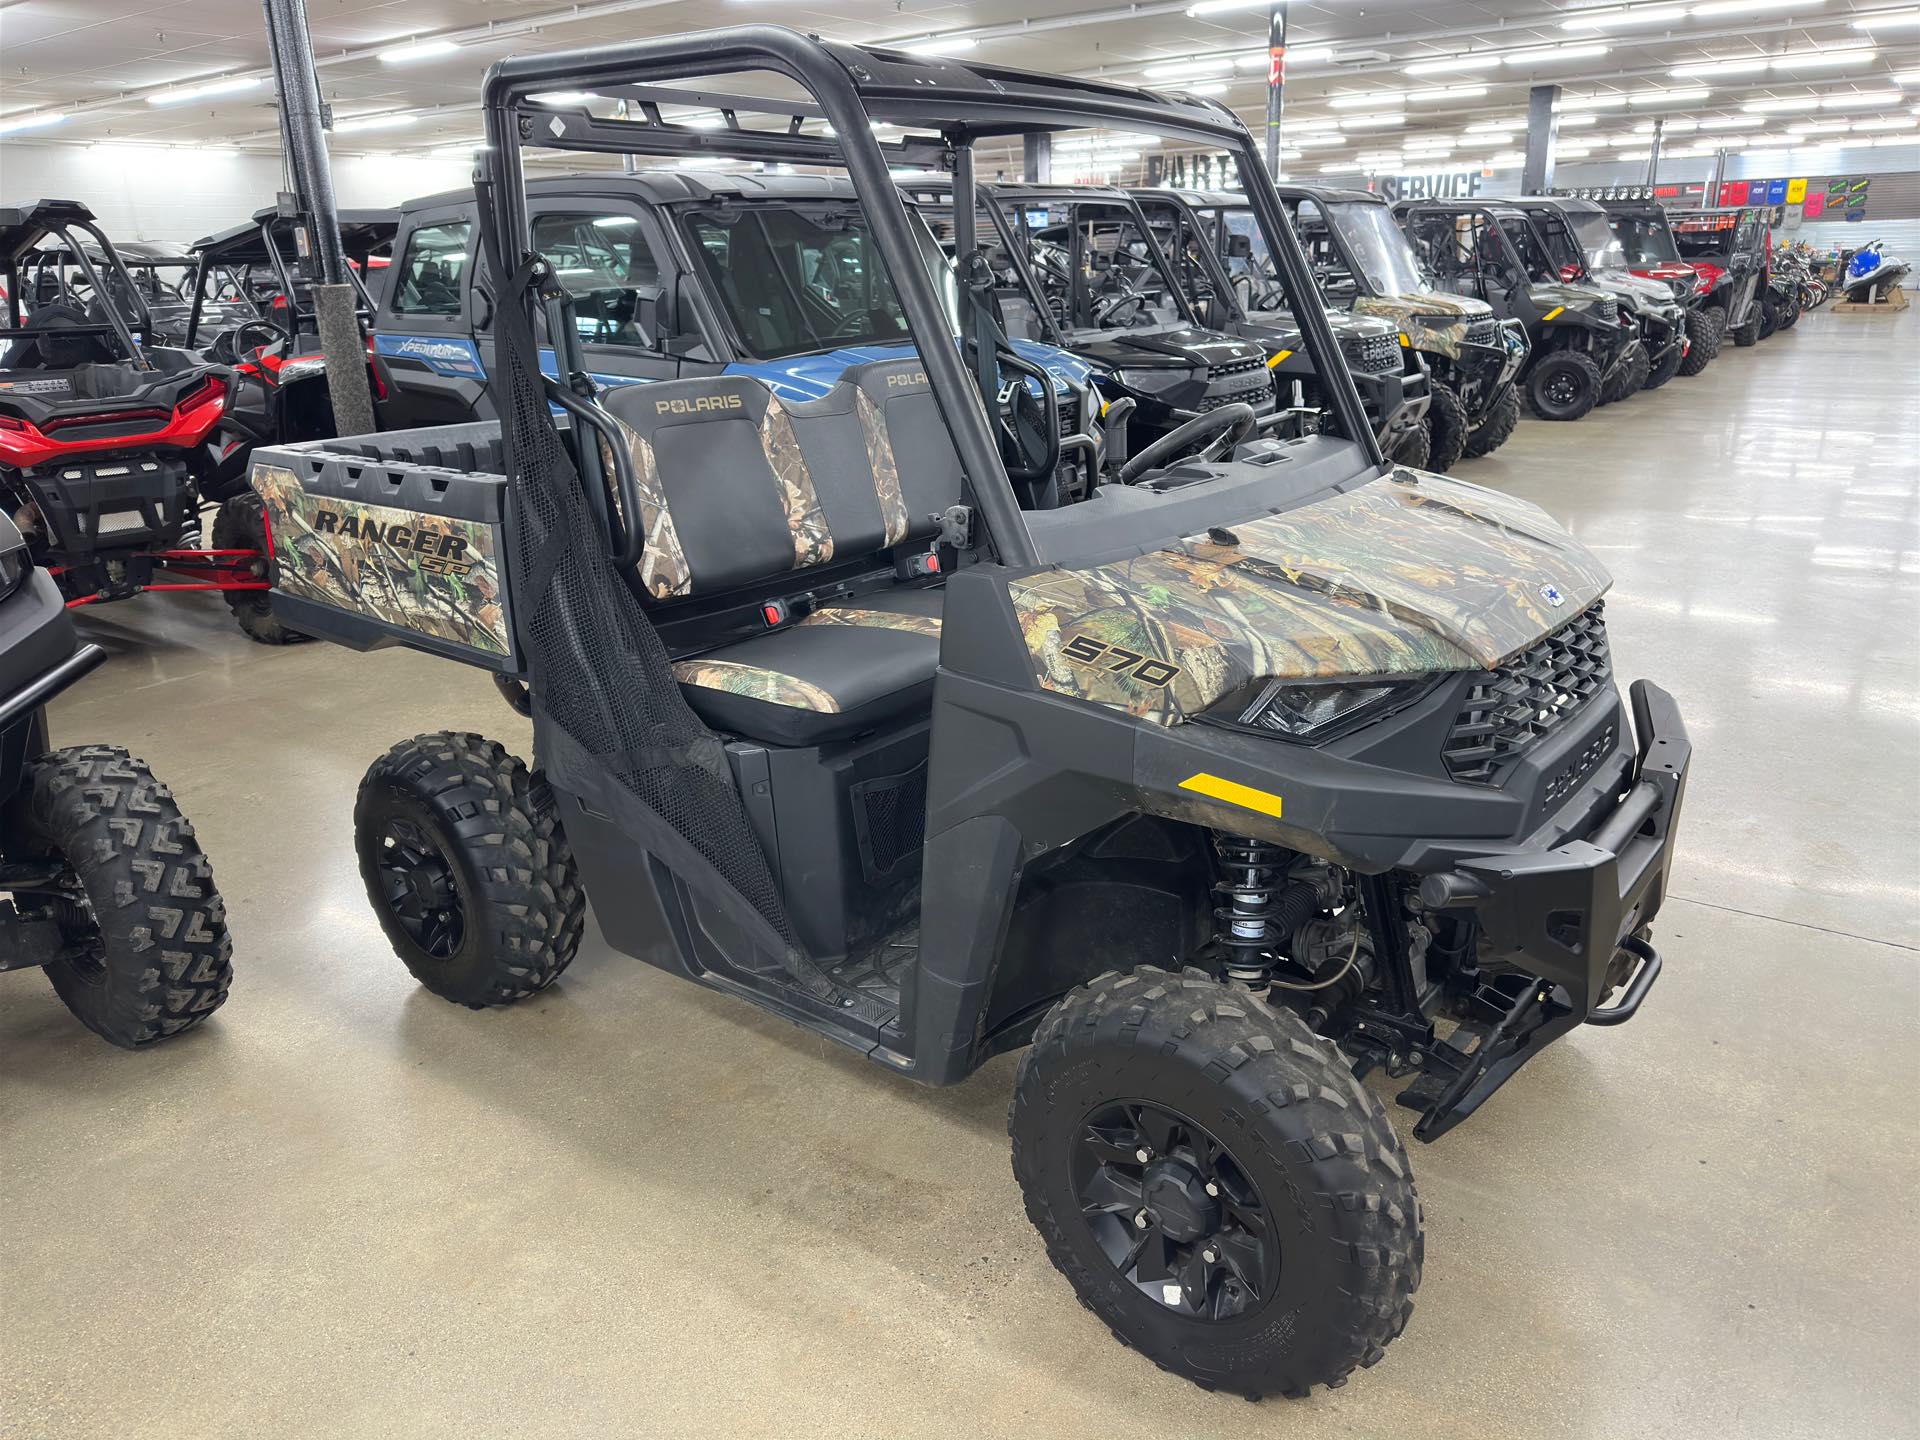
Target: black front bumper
1395, 400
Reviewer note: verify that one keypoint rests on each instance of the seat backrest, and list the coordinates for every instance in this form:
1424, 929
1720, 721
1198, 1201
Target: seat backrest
737, 485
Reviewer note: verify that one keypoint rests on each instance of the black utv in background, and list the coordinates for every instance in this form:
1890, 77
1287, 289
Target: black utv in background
1581, 242
1729, 248
1580, 342
102, 883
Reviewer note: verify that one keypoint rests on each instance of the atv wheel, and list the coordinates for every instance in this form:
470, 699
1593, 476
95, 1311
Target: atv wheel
1769, 318
1748, 334
241, 524
146, 952
1666, 370
1215, 1184
1717, 317
1496, 426
1564, 385
1446, 429
468, 869
1703, 340
1414, 447
1629, 378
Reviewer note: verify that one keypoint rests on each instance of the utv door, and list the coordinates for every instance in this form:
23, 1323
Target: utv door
1744, 264
424, 351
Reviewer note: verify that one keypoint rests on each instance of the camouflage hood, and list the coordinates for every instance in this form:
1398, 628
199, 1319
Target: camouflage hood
1431, 303
1410, 574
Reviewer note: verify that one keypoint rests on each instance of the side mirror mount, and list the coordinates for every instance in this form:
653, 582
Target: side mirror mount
650, 315
1239, 247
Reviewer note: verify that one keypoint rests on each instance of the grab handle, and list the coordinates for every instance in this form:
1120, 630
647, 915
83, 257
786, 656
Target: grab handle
626, 539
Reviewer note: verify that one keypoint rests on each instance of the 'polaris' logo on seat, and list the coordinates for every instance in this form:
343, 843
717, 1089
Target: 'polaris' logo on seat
697, 405
915, 377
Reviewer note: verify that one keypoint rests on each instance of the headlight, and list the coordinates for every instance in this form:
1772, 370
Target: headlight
1149, 382
14, 565
1313, 709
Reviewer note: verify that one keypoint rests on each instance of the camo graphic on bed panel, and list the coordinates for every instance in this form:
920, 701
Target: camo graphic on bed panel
756, 682
859, 619
1404, 311
432, 574
886, 474
812, 540
1403, 576
663, 565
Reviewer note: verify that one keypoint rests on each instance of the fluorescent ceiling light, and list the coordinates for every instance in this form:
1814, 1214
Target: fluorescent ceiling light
1893, 140
1819, 127
1813, 59
1301, 55
1592, 102
1748, 7
1726, 122
1549, 54
1570, 152
1574, 122
1895, 124
374, 122
1485, 60
704, 120
417, 50
1633, 155
1744, 65
1224, 7
1667, 127
1616, 18
36, 120
176, 94
1907, 77
1362, 98
1668, 97
1210, 87
1861, 100
941, 45
563, 97
1893, 20
1444, 93
1308, 142
1341, 167
1174, 69
1781, 107
461, 152
1491, 127
1372, 122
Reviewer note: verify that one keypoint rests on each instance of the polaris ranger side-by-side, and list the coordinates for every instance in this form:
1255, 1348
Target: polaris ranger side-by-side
1579, 341
1262, 768
1728, 248
1645, 235
1392, 378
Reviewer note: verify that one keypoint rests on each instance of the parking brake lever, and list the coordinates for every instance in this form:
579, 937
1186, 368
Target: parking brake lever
1113, 431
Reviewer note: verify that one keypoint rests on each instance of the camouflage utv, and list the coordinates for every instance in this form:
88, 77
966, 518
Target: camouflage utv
1267, 766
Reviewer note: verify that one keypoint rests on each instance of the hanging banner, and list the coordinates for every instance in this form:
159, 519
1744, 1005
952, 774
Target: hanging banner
1796, 191
1837, 193
1816, 205
1857, 198
1776, 192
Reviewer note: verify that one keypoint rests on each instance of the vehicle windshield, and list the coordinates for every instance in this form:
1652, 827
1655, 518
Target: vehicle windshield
1597, 240
800, 278
1378, 247
1644, 239
1569, 260
1704, 237
1096, 264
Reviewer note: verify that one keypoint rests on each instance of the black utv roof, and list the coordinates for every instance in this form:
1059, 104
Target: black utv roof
361, 231
23, 226
663, 187
1328, 194
1501, 206
1562, 204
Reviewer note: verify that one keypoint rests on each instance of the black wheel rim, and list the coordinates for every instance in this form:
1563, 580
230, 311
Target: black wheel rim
1562, 390
1173, 1211
421, 892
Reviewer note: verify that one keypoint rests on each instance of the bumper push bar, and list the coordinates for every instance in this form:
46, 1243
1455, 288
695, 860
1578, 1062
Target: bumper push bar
1567, 921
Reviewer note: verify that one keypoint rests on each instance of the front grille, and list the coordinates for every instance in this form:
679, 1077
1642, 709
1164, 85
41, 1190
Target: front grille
1510, 710
1483, 332
1610, 311
1373, 354
1227, 369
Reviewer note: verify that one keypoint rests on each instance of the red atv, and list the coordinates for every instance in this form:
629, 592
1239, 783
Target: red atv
105, 461
1646, 237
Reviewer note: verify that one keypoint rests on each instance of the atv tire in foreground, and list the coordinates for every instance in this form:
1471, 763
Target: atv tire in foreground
1215, 1184
468, 869
1497, 426
1564, 385
145, 950
1446, 429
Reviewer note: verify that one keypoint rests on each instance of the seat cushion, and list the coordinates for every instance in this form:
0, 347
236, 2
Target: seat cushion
844, 669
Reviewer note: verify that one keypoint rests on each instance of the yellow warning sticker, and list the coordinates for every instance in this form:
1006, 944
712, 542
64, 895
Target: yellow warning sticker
1233, 793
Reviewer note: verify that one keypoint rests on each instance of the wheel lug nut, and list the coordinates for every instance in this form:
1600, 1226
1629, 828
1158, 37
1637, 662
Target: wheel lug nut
1143, 1154
1140, 1221
1212, 1189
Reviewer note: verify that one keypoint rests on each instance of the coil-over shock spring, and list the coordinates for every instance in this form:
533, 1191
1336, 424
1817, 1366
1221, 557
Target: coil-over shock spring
1249, 871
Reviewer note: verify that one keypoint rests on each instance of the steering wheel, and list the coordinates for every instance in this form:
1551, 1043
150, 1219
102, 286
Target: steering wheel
1106, 311
853, 323
1205, 437
229, 345
1029, 443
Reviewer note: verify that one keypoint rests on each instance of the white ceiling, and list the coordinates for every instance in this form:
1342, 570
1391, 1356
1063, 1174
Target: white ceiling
94, 61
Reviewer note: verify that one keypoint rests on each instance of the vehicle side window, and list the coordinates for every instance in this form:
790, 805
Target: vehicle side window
608, 270
1322, 253
432, 270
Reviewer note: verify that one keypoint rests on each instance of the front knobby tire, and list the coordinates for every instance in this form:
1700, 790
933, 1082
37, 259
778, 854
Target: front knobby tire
468, 869
1414, 447
1563, 385
1215, 1184
1629, 378
241, 524
145, 951
1705, 328
1447, 428
1496, 427
1665, 370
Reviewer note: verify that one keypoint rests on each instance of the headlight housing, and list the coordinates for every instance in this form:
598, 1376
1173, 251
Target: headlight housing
1148, 381
1310, 710
14, 565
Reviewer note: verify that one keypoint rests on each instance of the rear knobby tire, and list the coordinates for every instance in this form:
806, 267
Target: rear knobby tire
508, 908
1748, 335
1496, 427
1629, 378
1704, 331
1665, 370
241, 524
1563, 385
1329, 1177
1446, 428
147, 955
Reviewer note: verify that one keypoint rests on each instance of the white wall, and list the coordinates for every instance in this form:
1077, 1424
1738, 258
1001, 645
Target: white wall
152, 192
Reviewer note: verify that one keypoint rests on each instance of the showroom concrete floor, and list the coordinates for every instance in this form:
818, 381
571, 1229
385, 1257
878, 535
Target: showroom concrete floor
633, 1207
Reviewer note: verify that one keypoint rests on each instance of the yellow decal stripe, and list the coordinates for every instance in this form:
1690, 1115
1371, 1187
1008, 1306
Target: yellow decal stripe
1245, 796
1278, 360
1406, 341
1555, 313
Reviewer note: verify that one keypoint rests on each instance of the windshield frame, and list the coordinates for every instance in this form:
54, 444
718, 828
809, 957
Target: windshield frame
1349, 243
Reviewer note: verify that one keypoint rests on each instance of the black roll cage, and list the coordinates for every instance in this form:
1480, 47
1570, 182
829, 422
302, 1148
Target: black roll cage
274, 235
1497, 214
1217, 277
60, 219
850, 86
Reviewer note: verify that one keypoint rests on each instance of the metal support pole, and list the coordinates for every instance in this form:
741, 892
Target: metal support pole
1711, 195
1542, 130
1653, 153
303, 122
1036, 164
1276, 84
